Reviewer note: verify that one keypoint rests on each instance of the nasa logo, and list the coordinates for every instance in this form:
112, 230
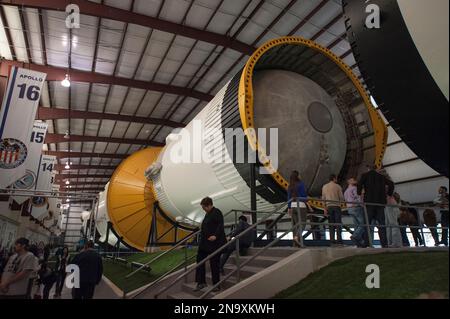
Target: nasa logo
12, 153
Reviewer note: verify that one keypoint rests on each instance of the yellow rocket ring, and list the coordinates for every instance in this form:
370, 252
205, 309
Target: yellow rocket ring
246, 102
130, 201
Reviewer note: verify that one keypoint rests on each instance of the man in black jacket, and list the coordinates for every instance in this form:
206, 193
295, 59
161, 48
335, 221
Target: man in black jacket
91, 270
244, 242
376, 187
212, 237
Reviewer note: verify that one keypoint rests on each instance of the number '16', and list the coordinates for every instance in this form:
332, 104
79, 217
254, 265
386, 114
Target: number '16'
32, 92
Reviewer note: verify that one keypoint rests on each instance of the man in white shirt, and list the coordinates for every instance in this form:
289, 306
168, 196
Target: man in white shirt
333, 197
18, 271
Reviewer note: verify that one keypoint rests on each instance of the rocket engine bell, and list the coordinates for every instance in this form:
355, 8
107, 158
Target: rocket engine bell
306, 100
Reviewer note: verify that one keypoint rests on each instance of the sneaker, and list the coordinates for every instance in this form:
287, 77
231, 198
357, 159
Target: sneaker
217, 289
200, 287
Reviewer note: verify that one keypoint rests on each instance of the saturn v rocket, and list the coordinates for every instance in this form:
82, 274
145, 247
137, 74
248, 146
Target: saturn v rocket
307, 99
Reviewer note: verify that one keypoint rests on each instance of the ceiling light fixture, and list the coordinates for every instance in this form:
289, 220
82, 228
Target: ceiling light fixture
67, 182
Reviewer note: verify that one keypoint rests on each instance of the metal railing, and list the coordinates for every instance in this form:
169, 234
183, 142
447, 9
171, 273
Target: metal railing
367, 224
232, 241
179, 244
47, 193
302, 224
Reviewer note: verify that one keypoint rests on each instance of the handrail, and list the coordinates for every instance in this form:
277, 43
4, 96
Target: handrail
276, 240
362, 203
170, 250
300, 223
164, 275
276, 211
204, 261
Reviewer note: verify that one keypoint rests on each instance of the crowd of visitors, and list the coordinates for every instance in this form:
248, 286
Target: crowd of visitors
369, 200
30, 271
33, 271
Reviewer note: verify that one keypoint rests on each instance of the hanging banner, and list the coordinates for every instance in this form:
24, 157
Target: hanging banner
28, 180
54, 209
44, 181
16, 121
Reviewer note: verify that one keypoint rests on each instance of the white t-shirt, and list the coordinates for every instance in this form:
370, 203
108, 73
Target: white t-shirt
15, 265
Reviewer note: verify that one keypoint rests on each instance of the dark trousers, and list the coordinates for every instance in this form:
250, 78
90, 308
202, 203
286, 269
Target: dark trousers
46, 291
60, 283
335, 216
86, 291
444, 223
229, 250
376, 213
416, 235
200, 275
405, 239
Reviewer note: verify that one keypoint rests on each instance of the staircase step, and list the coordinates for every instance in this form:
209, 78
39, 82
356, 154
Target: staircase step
273, 252
230, 282
182, 295
260, 261
246, 271
188, 288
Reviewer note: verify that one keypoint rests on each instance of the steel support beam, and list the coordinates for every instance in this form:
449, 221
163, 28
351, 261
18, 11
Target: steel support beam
66, 154
58, 74
72, 176
65, 188
112, 13
60, 138
61, 167
46, 113
90, 189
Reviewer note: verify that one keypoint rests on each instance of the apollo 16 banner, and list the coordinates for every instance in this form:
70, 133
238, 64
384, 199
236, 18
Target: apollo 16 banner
31, 164
16, 121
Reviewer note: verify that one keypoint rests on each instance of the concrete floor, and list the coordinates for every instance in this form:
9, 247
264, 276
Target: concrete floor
102, 291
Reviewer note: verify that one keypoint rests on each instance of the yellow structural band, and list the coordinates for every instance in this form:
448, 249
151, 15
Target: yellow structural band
130, 201
246, 105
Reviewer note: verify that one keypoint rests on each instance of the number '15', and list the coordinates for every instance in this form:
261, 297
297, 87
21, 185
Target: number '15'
32, 92
37, 137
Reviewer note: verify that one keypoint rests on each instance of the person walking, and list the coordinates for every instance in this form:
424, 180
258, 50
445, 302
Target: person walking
392, 213
375, 187
91, 271
333, 197
355, 209
212, 237
410, 217
15, 280
442, 202
61, 263
297, 206
429, 218
244, 242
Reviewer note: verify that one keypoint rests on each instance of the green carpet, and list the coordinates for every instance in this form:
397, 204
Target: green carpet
116, 272
402, 275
